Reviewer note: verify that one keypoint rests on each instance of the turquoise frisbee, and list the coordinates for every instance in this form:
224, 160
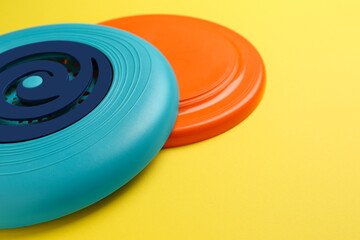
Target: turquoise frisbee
84, 108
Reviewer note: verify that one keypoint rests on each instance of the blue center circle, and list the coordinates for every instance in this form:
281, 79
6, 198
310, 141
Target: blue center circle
32, 82
49, 98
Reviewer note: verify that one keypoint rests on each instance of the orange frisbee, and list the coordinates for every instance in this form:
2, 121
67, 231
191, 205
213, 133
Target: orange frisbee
220, 74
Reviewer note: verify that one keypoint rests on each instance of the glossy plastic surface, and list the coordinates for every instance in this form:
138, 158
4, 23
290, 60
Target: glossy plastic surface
49, 177
220, 74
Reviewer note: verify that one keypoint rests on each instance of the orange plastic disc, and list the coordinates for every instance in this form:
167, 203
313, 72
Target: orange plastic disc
220, 74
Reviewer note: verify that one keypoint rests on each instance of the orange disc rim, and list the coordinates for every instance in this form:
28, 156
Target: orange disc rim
221, 75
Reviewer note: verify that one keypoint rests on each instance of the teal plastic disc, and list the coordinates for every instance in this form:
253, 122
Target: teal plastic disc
58, 168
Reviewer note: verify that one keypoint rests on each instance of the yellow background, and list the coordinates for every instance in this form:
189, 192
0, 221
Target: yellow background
290, 171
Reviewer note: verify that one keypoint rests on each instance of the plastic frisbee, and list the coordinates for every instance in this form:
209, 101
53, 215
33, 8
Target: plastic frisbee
83, 109
220, 74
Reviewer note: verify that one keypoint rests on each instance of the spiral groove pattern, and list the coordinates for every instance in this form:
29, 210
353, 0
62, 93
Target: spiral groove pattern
53, 103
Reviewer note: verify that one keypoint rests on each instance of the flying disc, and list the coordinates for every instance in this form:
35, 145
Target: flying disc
83, 109
220, 74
